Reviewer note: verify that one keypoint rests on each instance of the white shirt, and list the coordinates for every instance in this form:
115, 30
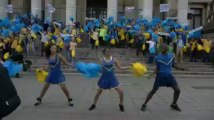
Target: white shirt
151, 44
44, 38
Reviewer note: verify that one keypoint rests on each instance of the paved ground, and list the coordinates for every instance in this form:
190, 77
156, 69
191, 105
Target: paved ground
197, 104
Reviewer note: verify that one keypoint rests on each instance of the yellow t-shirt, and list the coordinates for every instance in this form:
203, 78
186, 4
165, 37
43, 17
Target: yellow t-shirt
14, 44
207, 45
193, 45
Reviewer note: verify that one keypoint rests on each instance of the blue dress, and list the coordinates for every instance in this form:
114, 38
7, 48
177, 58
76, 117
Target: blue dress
108, 79
164, 75
55, 75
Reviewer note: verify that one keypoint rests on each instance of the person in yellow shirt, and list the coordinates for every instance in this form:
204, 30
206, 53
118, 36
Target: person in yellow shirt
207, 45
193, 50
14, 44
72, 49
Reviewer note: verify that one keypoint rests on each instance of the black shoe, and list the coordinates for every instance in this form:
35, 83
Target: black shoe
175, 107
70, 102
92, 107
121, 108
143, 108
39, 102
17, 75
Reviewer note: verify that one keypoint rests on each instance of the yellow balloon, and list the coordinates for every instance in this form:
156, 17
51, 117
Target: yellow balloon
46, 44
123, 37
132, 41
139, 69
79, 40
185, 49
34, 35
143, 47
41, 75
147, 35
73, 53
97, 43
81, 30
113, 42
6, 55
61, 44
64, 31
19, 49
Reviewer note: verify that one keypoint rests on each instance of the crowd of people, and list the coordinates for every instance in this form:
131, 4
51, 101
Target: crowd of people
19, 35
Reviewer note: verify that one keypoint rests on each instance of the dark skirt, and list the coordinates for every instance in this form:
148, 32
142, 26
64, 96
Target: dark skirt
165, 80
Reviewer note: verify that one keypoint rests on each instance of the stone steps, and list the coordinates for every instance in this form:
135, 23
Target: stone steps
127, 56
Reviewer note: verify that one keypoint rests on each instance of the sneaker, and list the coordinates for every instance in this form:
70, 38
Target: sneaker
121, 108
143, 108
70, 102
92, 107
39, 102
175, 107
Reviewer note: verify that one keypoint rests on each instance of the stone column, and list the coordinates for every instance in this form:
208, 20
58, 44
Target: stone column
112, 9
70, 11
182, 11
36, 8
156, 10
148, 9
3, 3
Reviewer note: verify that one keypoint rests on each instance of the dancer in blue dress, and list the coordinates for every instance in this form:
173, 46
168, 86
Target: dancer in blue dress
164, 77
108, 79
55, 75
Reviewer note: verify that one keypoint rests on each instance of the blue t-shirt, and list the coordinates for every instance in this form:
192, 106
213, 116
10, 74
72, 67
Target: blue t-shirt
164, 63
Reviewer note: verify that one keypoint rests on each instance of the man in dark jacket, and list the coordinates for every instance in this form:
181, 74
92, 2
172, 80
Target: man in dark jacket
9, 99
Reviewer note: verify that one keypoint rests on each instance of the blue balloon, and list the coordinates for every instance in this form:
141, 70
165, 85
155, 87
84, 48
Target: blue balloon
5, 33
5, 22
36, 28
137, 27
90, 24
86, 29
67, 38
16, 21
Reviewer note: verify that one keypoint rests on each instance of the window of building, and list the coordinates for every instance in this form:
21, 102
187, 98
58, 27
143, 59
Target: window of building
196, 20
